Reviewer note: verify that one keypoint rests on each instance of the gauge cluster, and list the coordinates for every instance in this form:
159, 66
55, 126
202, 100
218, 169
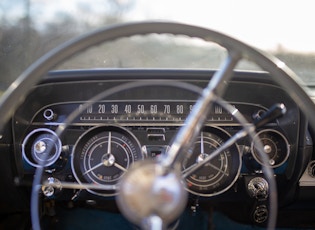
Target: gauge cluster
104, 138
103, 153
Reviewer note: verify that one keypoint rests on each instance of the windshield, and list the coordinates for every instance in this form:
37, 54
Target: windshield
30, 28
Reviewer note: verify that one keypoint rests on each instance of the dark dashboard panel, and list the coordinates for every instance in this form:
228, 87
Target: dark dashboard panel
148, 117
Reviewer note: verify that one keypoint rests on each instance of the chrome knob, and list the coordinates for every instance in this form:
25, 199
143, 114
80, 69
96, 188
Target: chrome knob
49, 114
50, 188
260, 214
40, 146
258, 188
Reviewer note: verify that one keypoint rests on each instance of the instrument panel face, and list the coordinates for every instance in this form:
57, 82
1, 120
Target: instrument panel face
105, 137
163, 111
132, 111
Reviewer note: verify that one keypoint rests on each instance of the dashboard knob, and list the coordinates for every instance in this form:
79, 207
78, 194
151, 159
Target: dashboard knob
260, 214
49, 114
49, 187
258, 188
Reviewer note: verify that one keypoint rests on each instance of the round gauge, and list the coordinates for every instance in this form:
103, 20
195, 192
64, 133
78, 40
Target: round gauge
102, 155
275, 146
41, 147
220, 173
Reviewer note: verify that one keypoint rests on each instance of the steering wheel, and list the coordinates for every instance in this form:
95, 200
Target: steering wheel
166, 171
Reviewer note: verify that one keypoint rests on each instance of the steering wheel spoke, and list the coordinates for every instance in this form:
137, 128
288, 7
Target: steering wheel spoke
188, 133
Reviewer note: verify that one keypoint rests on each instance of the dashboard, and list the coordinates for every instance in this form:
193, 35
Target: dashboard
113, 118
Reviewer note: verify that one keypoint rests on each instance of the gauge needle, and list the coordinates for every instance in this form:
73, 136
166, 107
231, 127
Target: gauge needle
103, 163
216, 168
221, 148
109, 148
95, 167
202, 150
108, 162
120, 167
189, 169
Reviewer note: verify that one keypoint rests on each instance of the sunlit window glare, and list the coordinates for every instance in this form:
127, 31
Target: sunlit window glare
281, 27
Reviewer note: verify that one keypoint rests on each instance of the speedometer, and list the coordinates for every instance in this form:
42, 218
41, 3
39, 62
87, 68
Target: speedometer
102, 155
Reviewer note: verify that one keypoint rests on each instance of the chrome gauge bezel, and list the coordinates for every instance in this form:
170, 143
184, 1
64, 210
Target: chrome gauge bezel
88, 143
232, 167
280, 137
52, 144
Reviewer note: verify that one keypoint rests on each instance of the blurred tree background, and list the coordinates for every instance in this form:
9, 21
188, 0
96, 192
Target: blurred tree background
27, 32
23, 39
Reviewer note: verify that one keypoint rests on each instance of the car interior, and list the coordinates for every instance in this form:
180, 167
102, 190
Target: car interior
157, 147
